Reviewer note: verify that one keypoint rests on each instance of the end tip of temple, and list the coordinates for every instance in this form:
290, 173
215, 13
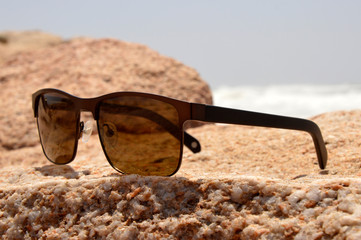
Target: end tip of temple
321, 150
322, 159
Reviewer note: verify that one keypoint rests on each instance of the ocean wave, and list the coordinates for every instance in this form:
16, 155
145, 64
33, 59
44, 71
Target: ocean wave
291, 100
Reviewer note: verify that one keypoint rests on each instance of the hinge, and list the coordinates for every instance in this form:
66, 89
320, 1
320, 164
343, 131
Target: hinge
198, 111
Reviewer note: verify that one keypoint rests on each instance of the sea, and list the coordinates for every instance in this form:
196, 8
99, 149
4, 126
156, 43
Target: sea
302, 101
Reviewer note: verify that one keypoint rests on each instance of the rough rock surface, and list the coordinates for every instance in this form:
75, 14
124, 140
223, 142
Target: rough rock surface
87, 68
247, 183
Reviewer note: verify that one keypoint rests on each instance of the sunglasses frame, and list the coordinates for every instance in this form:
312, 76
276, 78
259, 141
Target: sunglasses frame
192, 111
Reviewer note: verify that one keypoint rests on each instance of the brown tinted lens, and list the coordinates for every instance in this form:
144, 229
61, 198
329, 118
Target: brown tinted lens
57, 124
140, 135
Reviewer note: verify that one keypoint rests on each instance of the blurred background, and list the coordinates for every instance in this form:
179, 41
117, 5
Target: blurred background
289, 57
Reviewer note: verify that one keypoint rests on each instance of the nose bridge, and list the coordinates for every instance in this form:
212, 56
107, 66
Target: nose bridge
88, 105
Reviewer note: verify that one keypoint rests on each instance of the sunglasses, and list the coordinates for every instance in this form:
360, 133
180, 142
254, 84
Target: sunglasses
142, 133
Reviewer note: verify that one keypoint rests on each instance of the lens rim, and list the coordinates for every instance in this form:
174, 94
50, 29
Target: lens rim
181, 135
77, 132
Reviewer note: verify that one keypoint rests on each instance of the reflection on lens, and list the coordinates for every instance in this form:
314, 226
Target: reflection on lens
57, 124
140, 135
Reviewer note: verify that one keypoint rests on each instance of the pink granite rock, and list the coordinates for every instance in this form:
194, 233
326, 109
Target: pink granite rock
247, 183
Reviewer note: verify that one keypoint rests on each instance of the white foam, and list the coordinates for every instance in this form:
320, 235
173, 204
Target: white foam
291, 100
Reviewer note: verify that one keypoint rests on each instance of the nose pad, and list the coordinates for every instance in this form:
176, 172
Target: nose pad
110, 134
86, 131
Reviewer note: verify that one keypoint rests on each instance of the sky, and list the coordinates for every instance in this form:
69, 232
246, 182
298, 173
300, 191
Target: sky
230, 42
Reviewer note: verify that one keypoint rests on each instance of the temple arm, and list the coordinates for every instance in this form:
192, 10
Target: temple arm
215, 114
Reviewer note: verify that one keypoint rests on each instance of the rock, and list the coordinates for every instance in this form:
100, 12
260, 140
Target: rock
246, 183
12, 42
87, 68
